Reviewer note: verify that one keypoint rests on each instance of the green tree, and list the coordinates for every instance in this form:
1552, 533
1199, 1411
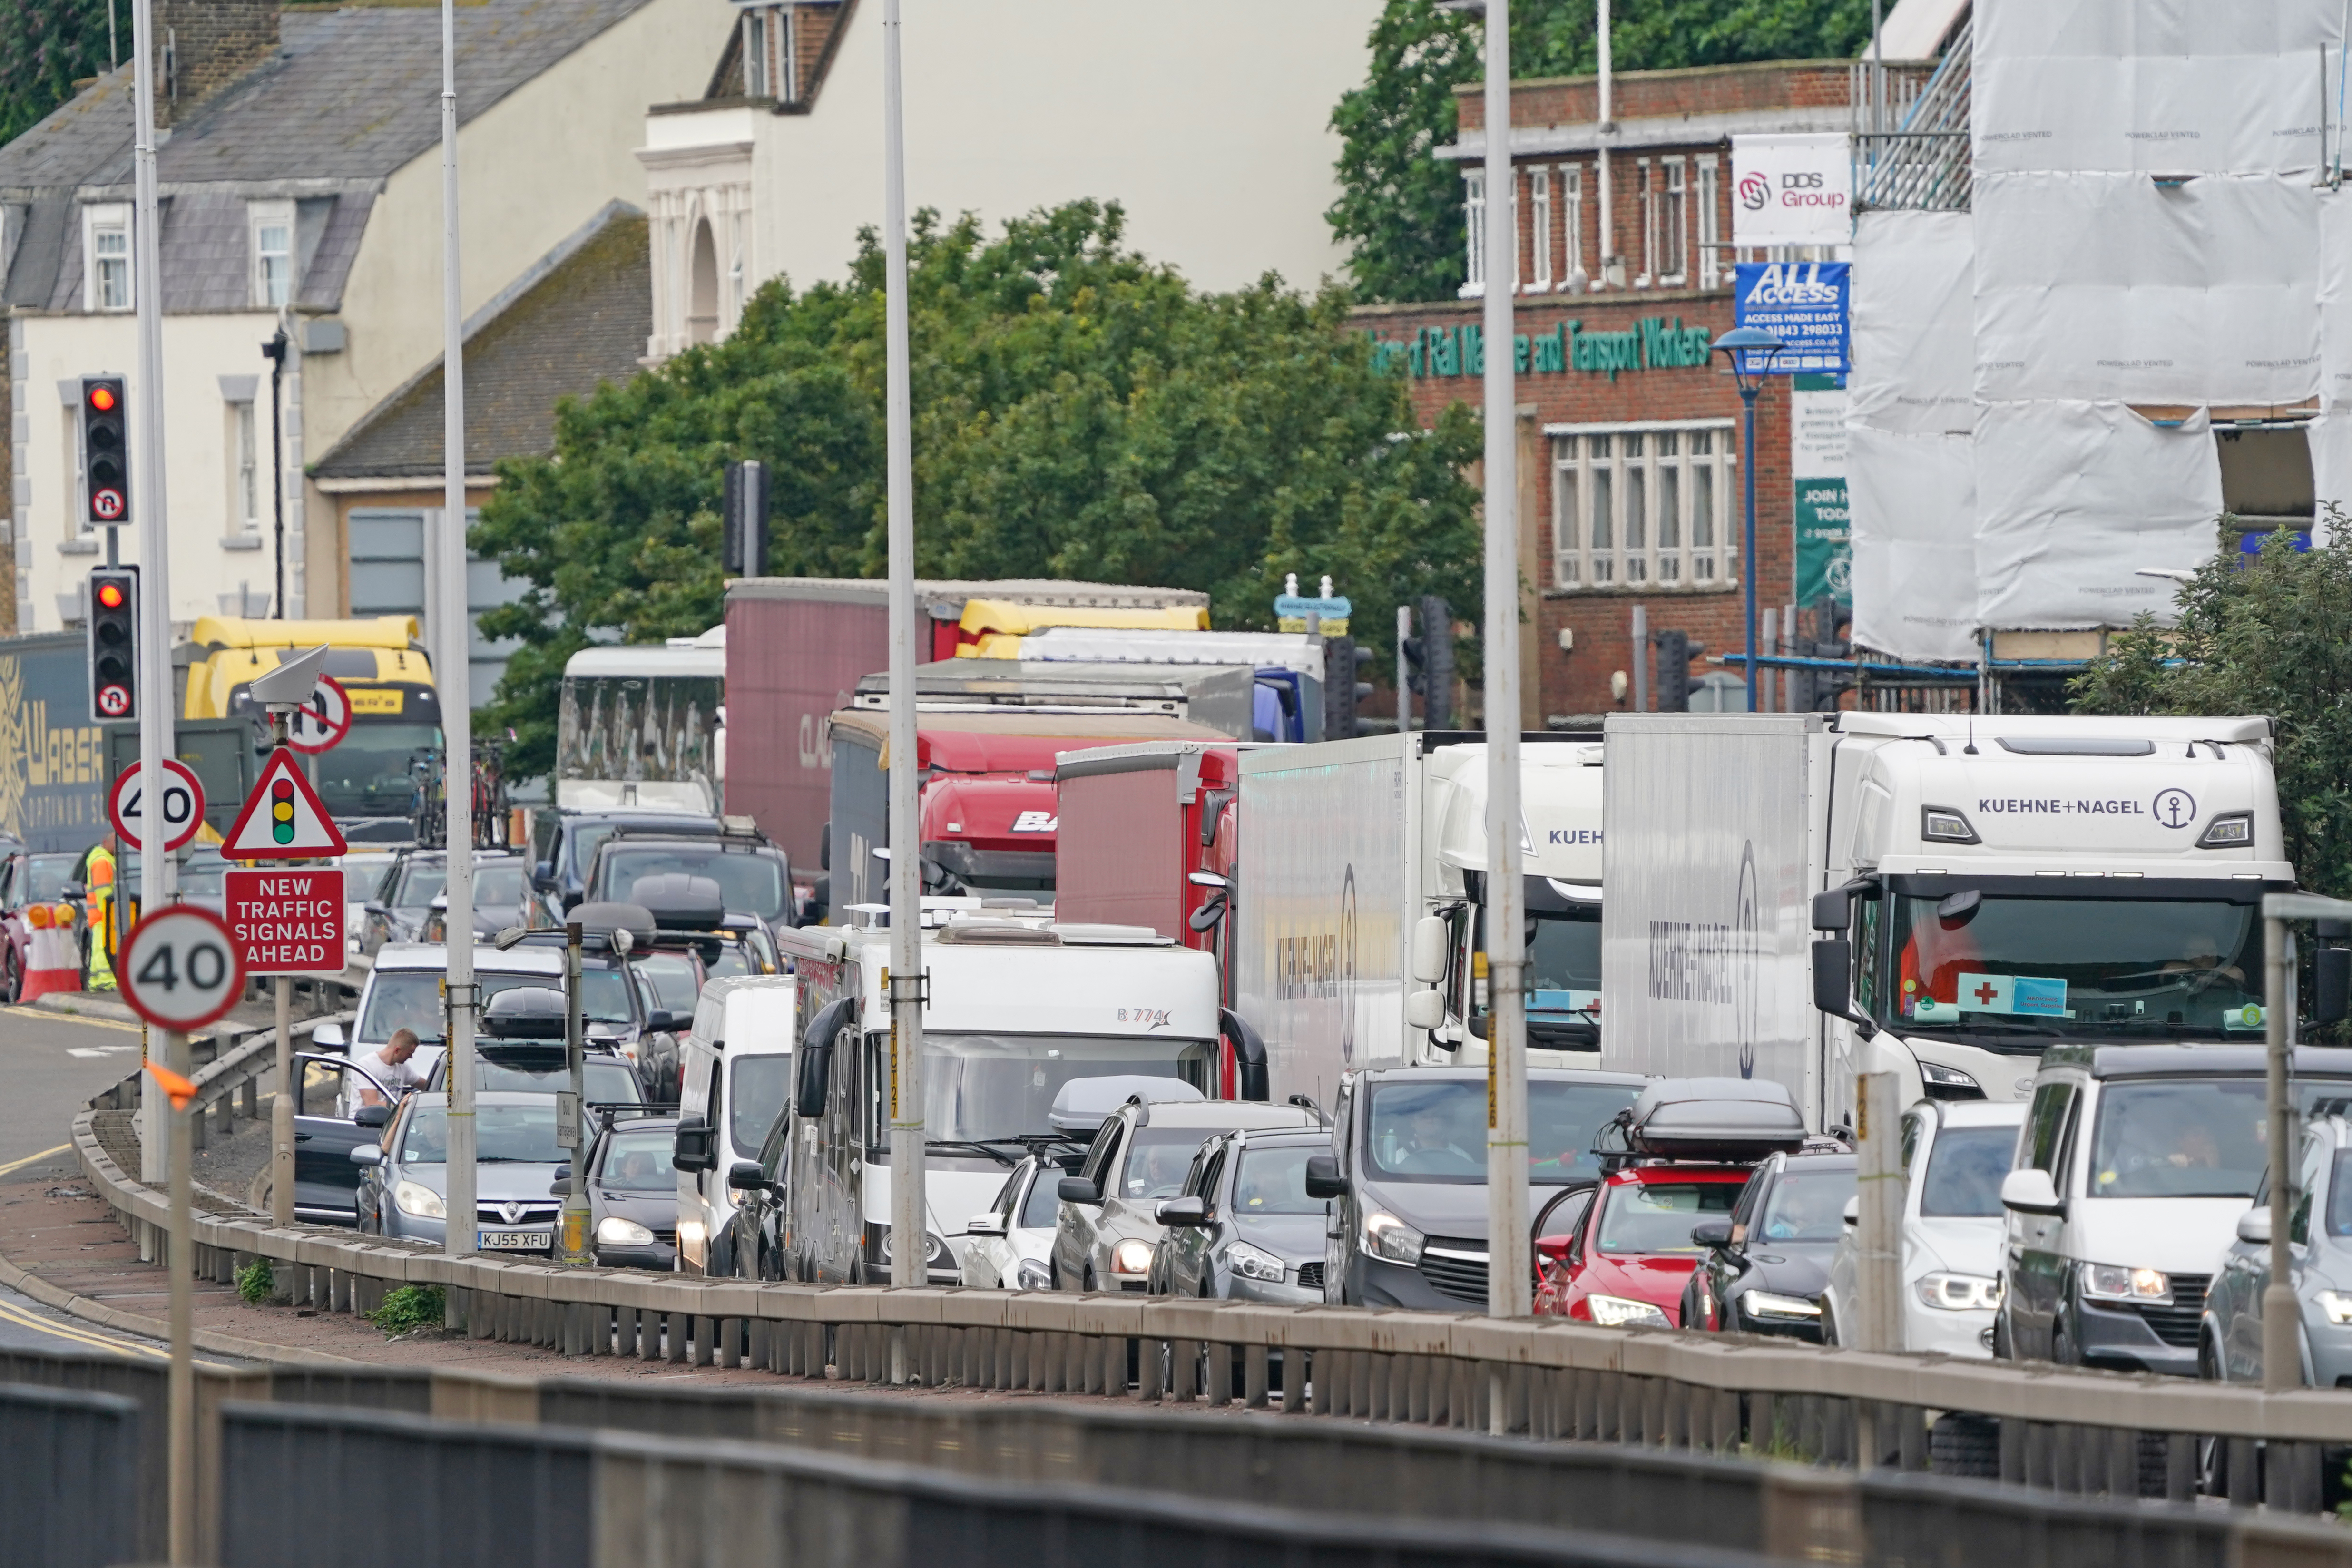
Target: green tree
47, 45
2272, 635
1079, 411
1400, 209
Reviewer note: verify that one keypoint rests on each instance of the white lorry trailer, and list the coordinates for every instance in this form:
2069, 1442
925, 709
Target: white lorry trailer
1983, 888
1345, 847
1017, 1008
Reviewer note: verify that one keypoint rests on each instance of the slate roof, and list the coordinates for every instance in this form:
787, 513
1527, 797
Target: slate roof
582, 320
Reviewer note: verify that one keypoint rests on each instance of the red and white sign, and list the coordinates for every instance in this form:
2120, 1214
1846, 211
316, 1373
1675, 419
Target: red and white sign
321, 722
288, 923
182, 801
179, 969
283, 819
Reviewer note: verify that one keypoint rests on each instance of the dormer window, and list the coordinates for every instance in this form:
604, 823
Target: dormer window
271, 225
106, 242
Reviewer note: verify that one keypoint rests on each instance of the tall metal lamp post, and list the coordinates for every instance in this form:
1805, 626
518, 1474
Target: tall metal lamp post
1750, 351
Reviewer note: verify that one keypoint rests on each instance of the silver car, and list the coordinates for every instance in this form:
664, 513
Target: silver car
2229, 1345
1243, 1227
406, 1177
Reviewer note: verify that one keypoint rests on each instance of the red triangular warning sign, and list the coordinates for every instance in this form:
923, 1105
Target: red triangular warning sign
282, 819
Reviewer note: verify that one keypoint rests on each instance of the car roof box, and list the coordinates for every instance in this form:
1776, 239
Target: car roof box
525, 1013
1081, 1104
599, 920
679, 902
1735, 1119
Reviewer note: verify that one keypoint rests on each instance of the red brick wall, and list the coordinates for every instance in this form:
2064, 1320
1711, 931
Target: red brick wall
1578, 682
1643, 95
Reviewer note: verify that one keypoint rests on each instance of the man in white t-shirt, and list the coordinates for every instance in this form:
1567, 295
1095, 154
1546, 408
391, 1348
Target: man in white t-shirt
389, 1067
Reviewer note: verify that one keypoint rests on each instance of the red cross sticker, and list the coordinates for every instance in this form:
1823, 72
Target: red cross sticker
1985, 993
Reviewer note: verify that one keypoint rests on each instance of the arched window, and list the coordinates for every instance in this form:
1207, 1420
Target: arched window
702, 283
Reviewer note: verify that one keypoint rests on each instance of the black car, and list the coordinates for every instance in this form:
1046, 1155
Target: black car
633, 1193
412, 905
753, 876
1765, 1267
564, 843
624, 1009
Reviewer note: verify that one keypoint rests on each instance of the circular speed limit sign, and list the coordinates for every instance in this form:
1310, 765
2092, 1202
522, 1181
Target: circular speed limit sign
180, 801
321, 722
179, 968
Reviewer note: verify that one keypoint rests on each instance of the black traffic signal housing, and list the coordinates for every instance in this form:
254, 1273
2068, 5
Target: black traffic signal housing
1817, 690
105, 452
112, 632
1343, 686
1674, 682
745, 550
1429, 660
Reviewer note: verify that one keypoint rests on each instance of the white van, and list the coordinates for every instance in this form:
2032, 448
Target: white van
737, 1078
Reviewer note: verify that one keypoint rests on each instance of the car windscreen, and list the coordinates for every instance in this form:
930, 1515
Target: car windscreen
751, 882
2179, 1138
608, 1083
1437, 1132
1965, 1166
759, 1087
639, 1162
1001, 1086
1273, 1180
1807, 1205
411, 999
50, 875
672, 977
499, 883
503, 1134
204, 879
1657, 1216
1157, 1160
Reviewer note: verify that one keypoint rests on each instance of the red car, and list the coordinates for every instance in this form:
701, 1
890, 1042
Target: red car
1625, 1259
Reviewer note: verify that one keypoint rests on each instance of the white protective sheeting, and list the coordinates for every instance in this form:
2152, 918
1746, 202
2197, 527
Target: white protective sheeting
1914, 508
2074, 498
2112, 286
2173, 86
2335, 300
1914, 338
2330, 435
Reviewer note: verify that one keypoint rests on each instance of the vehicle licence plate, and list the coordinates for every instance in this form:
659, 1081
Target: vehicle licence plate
513, 1241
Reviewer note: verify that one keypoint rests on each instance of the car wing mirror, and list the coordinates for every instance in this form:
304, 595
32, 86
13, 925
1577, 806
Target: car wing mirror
1186, 1211
2031, 1191
745, 1176
990, 1224
372, 1116
328, 1035
1713, 1234
1078, 1190
2254, 1226
1853, 1211
366, 1155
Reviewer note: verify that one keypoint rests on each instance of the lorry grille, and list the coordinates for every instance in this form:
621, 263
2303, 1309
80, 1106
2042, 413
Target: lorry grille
2176, 1324
1455, 1269
1310, 1277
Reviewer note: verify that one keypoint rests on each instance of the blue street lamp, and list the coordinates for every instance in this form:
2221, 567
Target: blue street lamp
1749, 351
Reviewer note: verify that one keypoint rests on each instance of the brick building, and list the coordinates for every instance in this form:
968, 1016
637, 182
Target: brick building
1628, 436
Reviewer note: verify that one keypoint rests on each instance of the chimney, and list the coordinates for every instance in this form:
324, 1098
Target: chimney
204, 46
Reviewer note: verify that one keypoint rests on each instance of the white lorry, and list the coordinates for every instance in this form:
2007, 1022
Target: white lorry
1983, 888
1017, 1008
1347, 847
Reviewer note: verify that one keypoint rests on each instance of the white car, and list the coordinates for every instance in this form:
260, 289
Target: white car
1010, 1246
1956, 1154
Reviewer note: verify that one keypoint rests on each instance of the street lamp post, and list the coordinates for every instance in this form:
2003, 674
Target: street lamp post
1741, 348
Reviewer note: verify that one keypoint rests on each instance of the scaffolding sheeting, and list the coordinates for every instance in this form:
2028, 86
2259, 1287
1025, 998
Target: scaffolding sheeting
1914, 508
2075, 498
1914, 347
2094, 286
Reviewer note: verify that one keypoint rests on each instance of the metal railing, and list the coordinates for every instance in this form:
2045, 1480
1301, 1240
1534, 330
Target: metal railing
1925, 164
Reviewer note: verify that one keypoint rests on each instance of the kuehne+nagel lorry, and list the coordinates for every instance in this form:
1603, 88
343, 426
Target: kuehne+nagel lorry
1347, 847
1984, 888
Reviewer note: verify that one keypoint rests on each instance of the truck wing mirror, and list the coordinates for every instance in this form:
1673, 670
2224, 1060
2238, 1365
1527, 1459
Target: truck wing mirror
1206, 917
1833, 910
1832, 974
2331, 977
1249, 1055
813, 1066
1432, 937
690, 1149
1425, 1009
1323, 1177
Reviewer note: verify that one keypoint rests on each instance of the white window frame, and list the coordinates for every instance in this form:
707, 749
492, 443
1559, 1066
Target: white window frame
1571, 221
785, 23
107, 220
1710, 227
1680, 544
1642, 181
245, 485
1518, 272
1474, 219
1673, 224
263, 218
1540, 236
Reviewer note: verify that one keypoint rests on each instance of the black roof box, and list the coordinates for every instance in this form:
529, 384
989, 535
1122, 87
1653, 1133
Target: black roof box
1734, 1120
525, 1013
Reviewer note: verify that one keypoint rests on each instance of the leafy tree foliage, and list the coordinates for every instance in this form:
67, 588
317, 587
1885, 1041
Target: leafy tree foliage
1079, 411
1402, 209
2272, 635
47, 45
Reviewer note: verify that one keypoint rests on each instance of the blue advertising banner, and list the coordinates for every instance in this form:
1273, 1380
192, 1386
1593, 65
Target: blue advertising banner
1805, 304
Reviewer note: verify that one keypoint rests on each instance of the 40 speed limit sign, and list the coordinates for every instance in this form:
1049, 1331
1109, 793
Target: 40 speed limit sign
180, 968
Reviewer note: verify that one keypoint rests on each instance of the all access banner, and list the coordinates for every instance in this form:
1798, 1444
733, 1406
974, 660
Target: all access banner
288, 923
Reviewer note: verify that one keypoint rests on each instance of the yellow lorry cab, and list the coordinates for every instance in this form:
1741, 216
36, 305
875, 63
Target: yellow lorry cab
381, 666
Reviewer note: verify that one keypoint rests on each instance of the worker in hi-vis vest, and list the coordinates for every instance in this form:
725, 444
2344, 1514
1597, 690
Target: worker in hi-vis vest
98, 919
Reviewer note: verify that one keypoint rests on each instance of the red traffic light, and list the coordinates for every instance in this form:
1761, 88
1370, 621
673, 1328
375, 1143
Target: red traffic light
101, 397
111, 597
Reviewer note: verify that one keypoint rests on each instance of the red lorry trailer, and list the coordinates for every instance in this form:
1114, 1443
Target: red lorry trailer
797, 645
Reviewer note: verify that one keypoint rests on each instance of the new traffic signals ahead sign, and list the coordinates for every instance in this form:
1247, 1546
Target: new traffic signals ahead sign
288, 923
282, 819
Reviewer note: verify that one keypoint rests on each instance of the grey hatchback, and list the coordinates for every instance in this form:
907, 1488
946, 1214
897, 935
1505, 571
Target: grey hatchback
1241, 1228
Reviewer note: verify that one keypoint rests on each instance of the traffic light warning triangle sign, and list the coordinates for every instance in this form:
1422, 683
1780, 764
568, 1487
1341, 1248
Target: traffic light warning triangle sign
282, 819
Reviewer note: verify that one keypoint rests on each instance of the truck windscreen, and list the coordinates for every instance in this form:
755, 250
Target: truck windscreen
1001, 1086
1996, 965
1564, 961
366, 774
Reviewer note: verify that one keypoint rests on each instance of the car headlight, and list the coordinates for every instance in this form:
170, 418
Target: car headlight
1956, 1292
417, 1198
1255, 1263
1132, 1256
1765, 1304
1617, 1312
614, 1231
1386, 1236
2113, 1282
1034, 1274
